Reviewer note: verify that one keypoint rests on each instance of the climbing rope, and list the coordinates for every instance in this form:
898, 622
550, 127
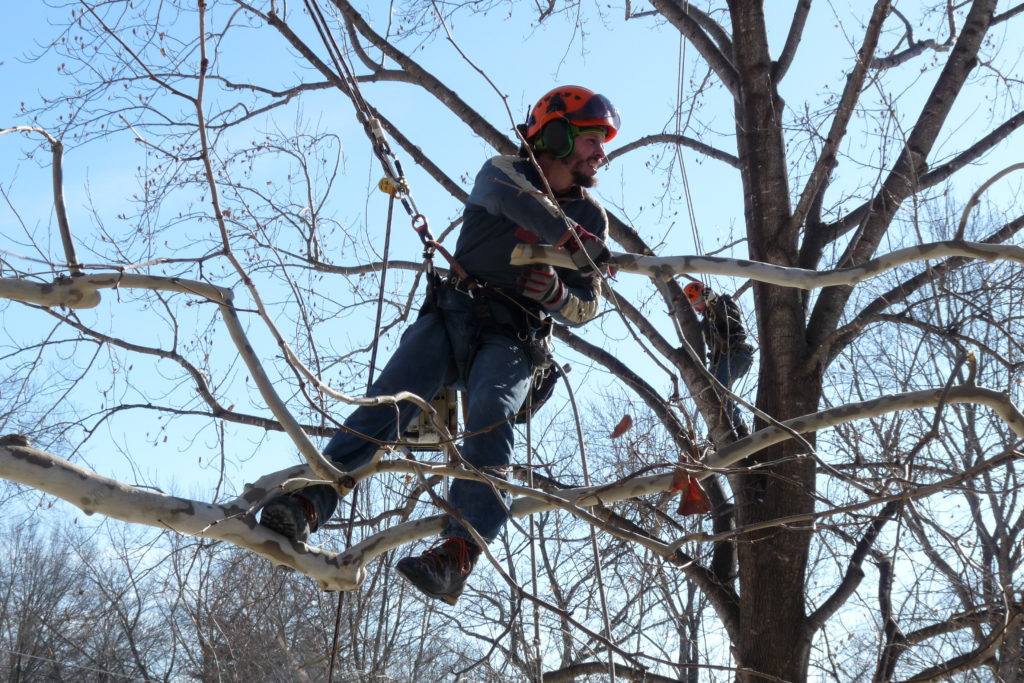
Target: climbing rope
395, 186
394, 182
680, 127
380, 296
534, 581
593, 532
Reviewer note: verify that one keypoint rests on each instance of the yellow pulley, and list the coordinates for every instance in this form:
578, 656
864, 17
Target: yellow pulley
395, 188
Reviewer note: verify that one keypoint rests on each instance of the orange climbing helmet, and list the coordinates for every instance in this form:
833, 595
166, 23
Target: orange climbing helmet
576, 105
694, 290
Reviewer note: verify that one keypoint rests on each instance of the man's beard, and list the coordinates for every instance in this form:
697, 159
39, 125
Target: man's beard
583, 180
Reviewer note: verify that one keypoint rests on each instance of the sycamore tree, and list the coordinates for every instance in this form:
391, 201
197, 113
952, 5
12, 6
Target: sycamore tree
227, 278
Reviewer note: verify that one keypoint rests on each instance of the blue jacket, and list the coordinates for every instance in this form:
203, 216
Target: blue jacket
507, 207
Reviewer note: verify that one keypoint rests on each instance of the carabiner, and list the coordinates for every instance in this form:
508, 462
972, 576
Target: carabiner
419, 224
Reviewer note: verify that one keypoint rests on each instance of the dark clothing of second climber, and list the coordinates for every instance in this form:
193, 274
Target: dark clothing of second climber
729, 354
722, 327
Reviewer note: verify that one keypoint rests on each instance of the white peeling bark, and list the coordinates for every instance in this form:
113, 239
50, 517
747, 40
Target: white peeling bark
800, 278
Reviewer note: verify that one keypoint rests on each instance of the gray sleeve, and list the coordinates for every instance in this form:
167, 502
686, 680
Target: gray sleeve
502, 190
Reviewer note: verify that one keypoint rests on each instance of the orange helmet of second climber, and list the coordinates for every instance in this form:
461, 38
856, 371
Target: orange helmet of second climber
579, 106
694, 290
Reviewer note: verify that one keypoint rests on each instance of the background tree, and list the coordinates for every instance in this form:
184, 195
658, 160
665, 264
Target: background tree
852, 145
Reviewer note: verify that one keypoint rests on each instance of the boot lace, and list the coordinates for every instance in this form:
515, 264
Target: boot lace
450, 551
308, 510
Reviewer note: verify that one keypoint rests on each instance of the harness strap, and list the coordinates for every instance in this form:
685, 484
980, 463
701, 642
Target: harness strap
456, 268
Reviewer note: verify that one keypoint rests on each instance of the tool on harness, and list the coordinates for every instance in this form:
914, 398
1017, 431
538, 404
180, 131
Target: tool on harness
393, 187
515, 318
541, 388
422, 435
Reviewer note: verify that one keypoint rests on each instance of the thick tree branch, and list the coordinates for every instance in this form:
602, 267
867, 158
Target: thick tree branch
968, 660
694, 25
429, 82
854, 573
93, 493
809, 256
827, 161
796, 32
900, 293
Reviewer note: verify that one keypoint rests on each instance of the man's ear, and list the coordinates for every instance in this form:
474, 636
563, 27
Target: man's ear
556, 138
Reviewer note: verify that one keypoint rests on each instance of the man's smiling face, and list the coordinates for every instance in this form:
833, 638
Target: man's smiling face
587, 155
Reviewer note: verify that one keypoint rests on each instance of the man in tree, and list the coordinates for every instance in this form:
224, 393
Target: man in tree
729, 354
484, 329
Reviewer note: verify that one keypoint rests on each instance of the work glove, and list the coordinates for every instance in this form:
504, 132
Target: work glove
541, 284
586, 249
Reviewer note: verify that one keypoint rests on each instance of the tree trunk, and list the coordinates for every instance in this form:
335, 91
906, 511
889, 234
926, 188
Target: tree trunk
773, 562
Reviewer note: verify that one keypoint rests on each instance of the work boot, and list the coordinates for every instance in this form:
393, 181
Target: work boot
293, 516
441, 572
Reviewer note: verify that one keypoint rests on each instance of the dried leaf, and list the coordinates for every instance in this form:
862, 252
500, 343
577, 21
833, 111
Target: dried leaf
694, 500
624, 424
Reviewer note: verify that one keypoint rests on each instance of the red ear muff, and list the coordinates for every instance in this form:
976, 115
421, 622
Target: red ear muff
556, 138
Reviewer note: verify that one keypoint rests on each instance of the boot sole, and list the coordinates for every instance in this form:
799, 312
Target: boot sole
443, 597
280, 519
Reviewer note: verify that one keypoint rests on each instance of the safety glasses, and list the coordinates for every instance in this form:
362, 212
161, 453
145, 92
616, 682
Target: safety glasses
596, 110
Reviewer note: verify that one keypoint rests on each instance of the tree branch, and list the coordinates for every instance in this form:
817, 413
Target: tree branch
800, 278
673, 139
827, 161
901, 181
796, 32
695, 26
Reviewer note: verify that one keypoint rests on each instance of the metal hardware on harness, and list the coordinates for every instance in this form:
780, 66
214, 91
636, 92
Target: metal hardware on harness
396, 187
422, 435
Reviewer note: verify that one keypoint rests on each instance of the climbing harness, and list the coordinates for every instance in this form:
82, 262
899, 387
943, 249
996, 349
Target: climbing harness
528, 329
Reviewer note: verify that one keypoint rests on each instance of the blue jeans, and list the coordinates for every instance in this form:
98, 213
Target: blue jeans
435, 351
728, 368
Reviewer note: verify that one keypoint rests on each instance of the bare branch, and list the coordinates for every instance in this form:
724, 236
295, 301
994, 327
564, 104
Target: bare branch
796, 32
673, 139
826, 162
656, 266
696, 27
